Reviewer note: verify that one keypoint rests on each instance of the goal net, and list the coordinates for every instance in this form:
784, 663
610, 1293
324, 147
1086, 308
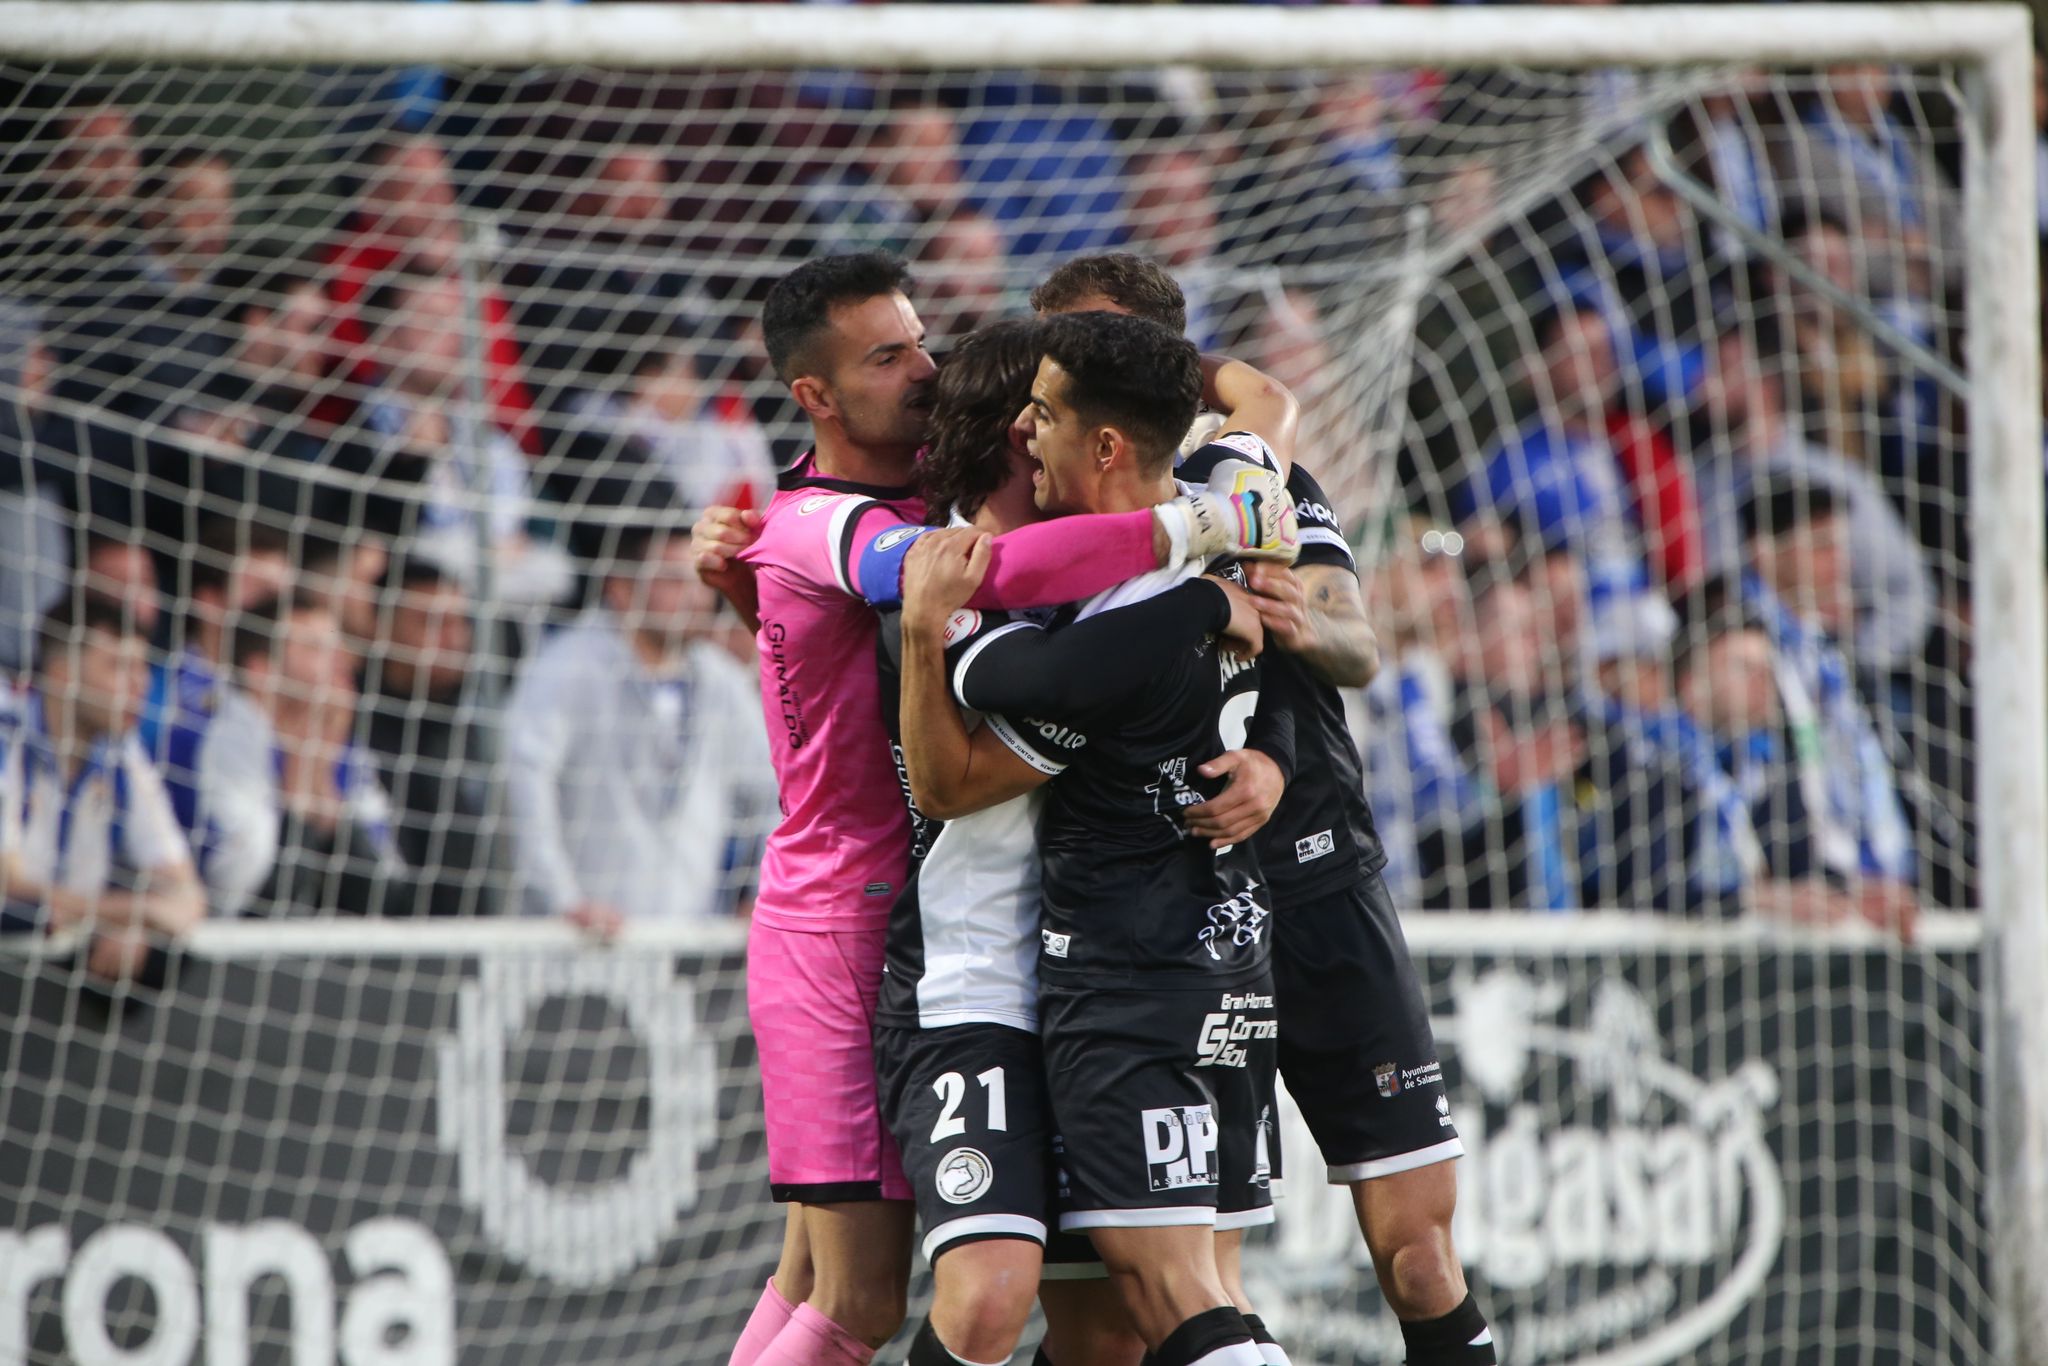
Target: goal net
1672, 373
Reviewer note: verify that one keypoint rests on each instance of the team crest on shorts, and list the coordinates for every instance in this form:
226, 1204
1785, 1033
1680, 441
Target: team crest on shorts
964, 1176
1388, 1078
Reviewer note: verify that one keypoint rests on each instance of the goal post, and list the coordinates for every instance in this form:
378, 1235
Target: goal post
1675, 995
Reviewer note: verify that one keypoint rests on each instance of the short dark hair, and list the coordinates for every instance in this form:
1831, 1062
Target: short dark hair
225, 537
260, 625
1712, 609
984, 383
1125, 279
389, 298
403, 573
72, 617
1779, 506
1129, 373
266, 284
633, 545
1798, 220
800, 305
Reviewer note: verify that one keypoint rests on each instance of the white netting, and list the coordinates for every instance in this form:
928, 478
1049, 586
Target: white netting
432, 350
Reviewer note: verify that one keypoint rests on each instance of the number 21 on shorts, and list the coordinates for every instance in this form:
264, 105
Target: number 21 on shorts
951, 1089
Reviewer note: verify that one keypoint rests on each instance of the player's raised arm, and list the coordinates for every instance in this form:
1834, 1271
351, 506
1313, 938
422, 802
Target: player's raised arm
1252, 401
1243, 512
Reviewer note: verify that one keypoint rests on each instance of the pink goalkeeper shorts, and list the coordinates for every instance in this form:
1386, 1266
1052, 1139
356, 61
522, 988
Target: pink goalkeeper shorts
811, 999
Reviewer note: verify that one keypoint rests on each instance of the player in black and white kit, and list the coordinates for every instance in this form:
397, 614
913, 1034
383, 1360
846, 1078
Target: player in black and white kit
1155, 1000
1356, 1048
957, 1047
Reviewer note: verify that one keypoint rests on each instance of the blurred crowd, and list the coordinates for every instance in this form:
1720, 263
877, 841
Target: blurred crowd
353, 578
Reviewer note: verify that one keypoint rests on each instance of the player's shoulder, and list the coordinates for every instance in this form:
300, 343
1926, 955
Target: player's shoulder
1248, 447
1322, 532
969, 626
798, 510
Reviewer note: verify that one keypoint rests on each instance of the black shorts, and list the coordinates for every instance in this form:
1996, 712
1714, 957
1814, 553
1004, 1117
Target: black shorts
1356, 1050
1164, 1101
967, 1105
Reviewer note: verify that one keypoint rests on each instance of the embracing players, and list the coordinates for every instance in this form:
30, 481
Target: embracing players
1351, 1006
842, 333
1154, 1005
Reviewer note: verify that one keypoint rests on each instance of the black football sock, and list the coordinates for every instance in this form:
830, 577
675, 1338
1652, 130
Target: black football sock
927, 1350
1214, 1337
1269, 1346
1459, 1338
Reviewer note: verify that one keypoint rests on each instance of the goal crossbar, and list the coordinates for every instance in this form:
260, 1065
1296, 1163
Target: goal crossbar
932, 37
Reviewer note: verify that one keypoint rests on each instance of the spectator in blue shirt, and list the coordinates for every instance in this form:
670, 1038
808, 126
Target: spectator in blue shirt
1558, 476
1799, 586
87, 838
1804, 865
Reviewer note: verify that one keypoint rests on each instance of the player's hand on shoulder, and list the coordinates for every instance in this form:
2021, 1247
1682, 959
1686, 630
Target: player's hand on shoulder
1282, 603
1245, 636
720, 534
941, 572
1244, 510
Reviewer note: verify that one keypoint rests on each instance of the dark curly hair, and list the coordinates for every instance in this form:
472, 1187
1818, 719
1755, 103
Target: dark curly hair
1129, 373
801, 302
1131, 282
981, 388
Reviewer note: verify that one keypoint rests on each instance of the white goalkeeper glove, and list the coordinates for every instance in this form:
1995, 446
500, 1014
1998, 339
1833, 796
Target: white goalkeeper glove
1243, 511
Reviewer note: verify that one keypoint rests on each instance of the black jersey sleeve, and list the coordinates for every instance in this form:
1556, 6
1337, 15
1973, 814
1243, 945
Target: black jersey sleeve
1064, 673
1322, 535
1282, 697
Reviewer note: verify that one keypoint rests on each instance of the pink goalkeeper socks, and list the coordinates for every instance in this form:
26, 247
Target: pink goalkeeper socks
769, 1318
811, 1339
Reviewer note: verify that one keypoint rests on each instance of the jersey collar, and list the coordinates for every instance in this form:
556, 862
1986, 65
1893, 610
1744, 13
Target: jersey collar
802, 475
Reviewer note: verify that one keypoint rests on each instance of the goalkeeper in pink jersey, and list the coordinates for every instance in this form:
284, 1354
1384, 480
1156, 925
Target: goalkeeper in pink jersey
841, 333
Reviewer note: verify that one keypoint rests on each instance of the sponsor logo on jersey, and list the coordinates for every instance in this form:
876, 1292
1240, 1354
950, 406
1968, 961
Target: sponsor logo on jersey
795, 730
1221, 1040
889, 540
813, 503
1430, 1073
1056, 945
1306, 511
1443, 1112
964, 1176
1312, 847
961, 624
1240, 921
1262, 1150
1055, 734
1388, 1078
1180, 1146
